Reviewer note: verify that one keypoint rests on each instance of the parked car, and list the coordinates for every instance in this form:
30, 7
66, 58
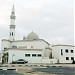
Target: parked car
73, 62
20, 61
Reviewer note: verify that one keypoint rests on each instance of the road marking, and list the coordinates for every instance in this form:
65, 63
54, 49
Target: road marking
4, 69
8, 69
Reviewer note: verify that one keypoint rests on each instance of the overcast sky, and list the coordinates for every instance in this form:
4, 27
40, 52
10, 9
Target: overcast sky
52, 20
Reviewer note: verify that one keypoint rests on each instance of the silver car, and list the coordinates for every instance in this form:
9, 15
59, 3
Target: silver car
21, 61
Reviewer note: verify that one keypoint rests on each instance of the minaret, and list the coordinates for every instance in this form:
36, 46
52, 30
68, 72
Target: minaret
12, 25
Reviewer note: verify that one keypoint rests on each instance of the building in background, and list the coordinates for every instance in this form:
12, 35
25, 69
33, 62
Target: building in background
63, 53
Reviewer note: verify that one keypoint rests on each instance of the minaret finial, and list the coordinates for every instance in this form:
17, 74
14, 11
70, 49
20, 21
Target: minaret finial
12, 17
13, 9
32, 31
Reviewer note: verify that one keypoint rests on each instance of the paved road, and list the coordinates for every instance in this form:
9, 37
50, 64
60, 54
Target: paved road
9, 72
58, 70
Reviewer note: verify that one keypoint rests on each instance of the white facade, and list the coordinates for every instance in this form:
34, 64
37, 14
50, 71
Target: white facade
63, 53
21, 54
38, 51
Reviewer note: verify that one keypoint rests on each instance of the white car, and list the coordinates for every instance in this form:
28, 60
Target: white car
21, 61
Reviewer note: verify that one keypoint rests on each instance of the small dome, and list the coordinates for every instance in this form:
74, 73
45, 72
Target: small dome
32, 36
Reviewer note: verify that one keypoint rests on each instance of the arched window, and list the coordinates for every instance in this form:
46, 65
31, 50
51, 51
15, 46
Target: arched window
12, 33
61, 52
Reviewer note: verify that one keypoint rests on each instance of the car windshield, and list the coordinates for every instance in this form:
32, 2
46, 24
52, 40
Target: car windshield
21, 60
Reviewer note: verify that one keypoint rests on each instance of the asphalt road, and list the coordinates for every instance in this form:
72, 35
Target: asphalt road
53, 70
57, 70
9, 72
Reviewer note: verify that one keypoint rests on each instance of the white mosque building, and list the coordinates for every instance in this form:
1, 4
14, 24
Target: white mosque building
33, 49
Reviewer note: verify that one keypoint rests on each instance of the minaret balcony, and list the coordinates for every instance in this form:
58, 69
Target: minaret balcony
12, 26
12, 17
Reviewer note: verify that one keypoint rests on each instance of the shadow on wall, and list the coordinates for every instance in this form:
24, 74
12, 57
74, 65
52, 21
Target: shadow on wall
73, 62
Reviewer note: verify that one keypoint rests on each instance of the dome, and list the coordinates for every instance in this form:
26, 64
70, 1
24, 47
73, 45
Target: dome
32, 36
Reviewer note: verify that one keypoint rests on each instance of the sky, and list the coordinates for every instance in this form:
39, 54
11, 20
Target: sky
52, 20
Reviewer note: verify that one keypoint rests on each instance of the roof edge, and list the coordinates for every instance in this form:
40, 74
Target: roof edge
63, 45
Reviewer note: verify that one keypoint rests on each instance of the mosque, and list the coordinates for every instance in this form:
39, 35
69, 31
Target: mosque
33, 49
